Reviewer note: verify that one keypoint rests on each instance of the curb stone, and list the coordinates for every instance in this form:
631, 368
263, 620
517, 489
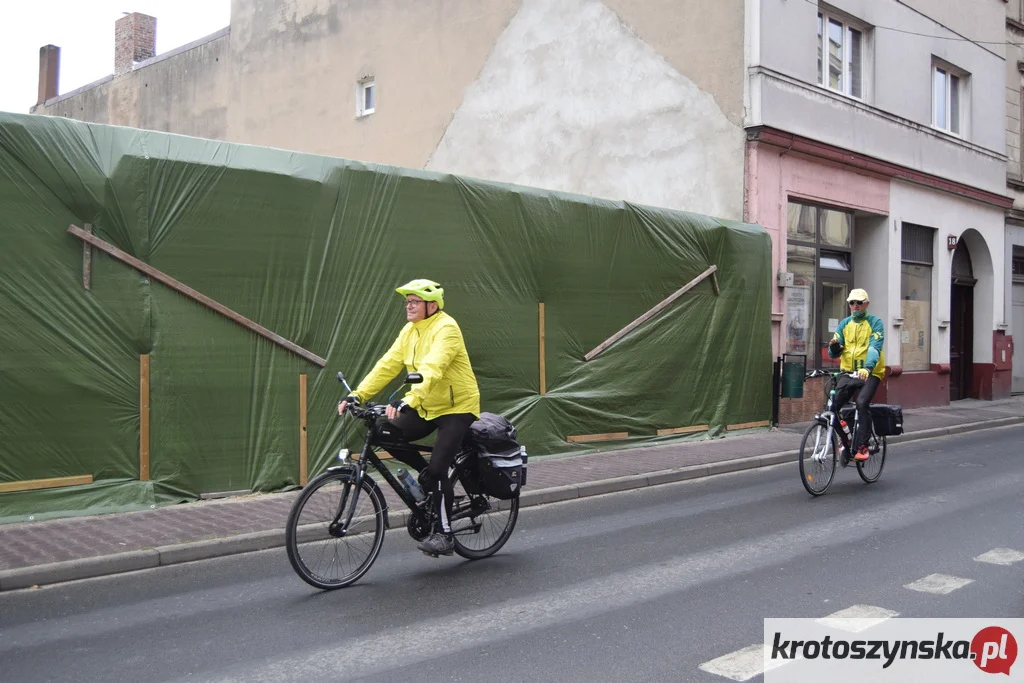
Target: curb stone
90, 567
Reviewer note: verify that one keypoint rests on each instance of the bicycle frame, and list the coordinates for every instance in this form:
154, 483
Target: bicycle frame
831, 418
378, 434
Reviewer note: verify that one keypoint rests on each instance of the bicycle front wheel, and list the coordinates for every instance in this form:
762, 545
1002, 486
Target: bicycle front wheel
321, 552
480, 524
818, 458
871, 469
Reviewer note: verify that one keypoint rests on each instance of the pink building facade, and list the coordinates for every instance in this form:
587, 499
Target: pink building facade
922, 246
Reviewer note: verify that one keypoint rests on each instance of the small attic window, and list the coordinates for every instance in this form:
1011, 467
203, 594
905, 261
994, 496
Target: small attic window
366, 97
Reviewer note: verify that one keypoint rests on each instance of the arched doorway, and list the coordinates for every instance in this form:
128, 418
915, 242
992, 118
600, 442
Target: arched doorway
961, 324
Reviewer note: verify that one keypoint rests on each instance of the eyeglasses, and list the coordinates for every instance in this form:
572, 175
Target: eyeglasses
854, 302
412, 303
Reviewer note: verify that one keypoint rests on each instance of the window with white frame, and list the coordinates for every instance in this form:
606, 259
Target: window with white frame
366, 97
840, 54
948, 85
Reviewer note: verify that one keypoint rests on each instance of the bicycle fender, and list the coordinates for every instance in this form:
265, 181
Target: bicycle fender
376, 489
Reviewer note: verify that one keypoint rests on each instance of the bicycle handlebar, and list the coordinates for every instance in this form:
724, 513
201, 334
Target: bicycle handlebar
826, 373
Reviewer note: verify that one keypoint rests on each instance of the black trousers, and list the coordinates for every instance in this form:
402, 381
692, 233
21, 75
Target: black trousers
451, 430
845, 388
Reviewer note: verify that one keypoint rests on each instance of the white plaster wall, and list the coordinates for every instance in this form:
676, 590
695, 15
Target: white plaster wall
893, 121
570, 99
951, 215
1014, 237
873, 265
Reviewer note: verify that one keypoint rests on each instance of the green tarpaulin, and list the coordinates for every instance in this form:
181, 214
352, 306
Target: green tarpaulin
312, 248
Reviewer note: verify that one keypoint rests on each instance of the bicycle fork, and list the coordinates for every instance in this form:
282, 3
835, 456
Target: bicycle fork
821, 453
346, 508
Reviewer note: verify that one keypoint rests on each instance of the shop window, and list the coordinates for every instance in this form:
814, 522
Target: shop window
819, 255
916, 297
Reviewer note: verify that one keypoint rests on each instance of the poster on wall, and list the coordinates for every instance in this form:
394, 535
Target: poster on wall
798, 319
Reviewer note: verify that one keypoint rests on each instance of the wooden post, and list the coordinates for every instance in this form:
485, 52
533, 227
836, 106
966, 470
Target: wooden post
87, 260
303, 474
650, 314
144, 417
543, 369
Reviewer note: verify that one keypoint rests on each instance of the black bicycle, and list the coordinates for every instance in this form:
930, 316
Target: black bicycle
827, 441
336, 526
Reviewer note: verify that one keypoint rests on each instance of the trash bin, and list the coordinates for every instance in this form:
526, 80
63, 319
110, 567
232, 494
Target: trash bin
794, 367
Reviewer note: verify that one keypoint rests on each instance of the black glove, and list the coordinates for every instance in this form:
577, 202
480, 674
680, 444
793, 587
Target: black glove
400, 406
835, 347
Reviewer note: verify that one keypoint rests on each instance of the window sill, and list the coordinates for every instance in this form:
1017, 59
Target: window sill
944, 131
840, 93
364, 114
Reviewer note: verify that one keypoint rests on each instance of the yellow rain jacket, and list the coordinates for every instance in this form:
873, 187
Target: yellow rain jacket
862, 345
434, 348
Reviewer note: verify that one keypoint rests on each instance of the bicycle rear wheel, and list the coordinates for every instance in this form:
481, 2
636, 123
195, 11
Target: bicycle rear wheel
480, 524
871, 469
818, 458
320, 553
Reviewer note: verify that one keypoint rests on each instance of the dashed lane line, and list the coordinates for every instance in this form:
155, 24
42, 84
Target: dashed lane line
940, 584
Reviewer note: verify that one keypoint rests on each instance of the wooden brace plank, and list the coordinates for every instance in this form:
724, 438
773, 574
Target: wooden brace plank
52, 483
651, 313
683, 430
749, 425
185, 290
87, 260
586, 438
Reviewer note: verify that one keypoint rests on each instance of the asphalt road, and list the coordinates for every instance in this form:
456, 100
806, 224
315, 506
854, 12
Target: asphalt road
645, 585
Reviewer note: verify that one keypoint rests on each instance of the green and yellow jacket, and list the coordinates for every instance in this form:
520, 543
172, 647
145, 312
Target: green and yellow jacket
862, 345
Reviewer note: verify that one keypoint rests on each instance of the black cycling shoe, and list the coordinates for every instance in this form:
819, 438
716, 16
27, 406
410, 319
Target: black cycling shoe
437, 544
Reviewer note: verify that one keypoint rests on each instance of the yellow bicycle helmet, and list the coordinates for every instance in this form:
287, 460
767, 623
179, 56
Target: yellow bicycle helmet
428, 290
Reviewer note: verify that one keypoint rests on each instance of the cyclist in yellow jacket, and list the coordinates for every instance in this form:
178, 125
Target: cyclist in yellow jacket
448, 399
858, 344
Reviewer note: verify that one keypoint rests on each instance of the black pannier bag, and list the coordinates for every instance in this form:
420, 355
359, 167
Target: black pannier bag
887, 420
501, 460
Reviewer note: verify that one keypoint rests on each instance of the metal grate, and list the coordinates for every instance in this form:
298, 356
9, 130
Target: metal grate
917, 243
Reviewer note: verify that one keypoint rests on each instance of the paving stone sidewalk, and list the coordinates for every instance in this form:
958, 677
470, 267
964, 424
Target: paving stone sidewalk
64, 549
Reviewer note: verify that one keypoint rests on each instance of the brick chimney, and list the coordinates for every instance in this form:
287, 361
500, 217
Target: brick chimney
134, 41
49, 73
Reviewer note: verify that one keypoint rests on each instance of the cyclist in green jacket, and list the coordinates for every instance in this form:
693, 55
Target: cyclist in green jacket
448, 399
858, 344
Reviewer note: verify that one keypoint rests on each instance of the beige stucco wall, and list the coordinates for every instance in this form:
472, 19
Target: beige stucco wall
297, 63
184, 93
573, 98
626, 99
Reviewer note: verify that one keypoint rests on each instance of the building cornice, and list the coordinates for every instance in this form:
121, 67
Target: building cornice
779, 138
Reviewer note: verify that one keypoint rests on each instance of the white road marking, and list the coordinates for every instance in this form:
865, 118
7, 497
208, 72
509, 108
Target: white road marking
742, 665
401, 645
1000, 556
938, 583
857, 618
